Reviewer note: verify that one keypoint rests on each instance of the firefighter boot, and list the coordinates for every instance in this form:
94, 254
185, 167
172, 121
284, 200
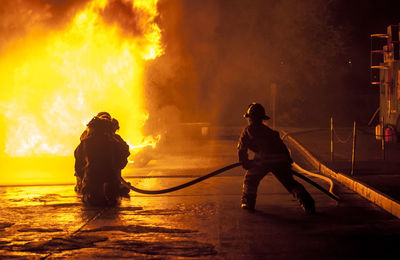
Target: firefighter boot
248, 202
110, 194
307, 203
124, 191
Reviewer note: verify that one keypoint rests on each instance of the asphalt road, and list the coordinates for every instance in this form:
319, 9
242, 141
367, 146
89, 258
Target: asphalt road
204, 221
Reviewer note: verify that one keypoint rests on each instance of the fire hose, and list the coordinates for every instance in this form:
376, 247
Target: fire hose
224, 169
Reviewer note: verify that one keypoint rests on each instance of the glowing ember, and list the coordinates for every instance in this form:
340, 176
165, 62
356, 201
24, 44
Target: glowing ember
54, 81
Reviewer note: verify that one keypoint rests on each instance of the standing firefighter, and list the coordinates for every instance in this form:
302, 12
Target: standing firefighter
99, 159
271, 155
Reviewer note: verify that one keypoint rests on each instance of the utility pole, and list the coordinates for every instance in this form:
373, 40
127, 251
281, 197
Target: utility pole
273, 104
332, 141
353, 154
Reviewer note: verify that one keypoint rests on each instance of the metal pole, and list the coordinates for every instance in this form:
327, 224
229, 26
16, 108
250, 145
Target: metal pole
383, 139
332, 148
353, 155
273, 105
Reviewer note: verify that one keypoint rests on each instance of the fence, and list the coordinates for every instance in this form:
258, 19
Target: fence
357, 146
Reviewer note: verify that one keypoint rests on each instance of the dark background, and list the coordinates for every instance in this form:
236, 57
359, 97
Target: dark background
223, 54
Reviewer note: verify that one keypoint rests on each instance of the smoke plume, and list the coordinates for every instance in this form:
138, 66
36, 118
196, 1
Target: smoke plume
221, 55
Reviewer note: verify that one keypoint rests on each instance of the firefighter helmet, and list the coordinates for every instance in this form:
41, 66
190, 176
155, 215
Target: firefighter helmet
256, 110
104, 115
100, 124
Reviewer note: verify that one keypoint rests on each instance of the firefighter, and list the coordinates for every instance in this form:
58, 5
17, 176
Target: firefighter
99, 159
270, 155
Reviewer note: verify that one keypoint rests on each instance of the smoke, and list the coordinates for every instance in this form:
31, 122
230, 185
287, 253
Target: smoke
221, 55
19, 18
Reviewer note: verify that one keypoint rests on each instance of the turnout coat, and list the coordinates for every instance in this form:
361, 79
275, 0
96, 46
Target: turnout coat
99, 159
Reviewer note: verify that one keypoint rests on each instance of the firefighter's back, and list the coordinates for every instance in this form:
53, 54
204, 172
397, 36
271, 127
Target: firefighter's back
267, 144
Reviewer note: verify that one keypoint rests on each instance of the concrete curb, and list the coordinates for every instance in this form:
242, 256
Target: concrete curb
382, 200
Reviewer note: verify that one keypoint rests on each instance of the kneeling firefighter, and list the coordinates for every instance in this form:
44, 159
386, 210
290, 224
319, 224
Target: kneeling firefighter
270, 155
99, 159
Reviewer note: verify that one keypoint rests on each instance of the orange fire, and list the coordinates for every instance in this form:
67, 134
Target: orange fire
54, 81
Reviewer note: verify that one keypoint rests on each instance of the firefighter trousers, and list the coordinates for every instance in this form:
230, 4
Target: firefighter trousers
284, 174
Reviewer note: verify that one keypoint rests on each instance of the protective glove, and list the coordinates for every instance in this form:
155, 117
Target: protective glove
248, 164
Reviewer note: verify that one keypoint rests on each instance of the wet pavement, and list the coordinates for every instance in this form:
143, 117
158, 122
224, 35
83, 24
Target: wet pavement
204, 221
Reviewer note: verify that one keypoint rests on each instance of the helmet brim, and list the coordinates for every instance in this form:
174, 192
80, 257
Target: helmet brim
265, 117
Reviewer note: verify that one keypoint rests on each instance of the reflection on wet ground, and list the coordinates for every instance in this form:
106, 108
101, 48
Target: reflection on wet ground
202, 221
187, 248
58, 244
138, 229
44, 221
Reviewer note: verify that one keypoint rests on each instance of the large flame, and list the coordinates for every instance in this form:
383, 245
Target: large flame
54, 81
